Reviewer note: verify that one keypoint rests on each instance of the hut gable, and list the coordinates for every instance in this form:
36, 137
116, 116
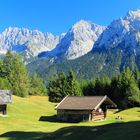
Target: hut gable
5, 97
83, 102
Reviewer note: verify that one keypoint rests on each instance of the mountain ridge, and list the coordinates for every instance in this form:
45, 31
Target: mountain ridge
33, 43
78, 41
29, 42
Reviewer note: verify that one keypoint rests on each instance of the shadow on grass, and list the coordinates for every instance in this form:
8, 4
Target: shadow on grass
118, 111
55, 120
19, 135
115, 131
48, 118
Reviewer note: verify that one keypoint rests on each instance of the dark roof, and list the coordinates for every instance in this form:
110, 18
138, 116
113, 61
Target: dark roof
5, 97
84, 102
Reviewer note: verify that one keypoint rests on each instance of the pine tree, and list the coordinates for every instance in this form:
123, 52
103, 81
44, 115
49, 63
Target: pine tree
37, 86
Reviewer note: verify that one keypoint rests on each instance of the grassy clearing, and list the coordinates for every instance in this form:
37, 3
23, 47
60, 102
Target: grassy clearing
22, 123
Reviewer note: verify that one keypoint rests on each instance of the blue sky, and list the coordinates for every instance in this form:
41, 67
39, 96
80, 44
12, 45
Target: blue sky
58, 16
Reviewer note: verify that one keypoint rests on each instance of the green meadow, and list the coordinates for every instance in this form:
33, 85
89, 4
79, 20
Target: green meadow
33, 118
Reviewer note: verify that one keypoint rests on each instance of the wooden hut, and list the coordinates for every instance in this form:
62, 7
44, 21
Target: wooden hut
5, 98
84, 108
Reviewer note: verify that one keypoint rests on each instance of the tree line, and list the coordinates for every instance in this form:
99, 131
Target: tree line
61, 85
123, 89
14, 76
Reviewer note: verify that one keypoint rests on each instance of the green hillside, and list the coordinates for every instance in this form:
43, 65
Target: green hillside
100, 62
33, 119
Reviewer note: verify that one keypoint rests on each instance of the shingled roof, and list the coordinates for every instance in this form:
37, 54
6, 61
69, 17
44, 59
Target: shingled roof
5, 97
83, 102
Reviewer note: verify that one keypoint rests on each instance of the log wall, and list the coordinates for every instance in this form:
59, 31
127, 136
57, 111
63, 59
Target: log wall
96, 115
69, 115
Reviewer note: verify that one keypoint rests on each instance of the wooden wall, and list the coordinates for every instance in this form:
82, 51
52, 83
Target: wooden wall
82, 115
96, 115
71, 115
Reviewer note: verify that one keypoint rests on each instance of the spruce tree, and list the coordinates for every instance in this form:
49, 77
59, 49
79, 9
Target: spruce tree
57, 88
136, 73
7, 64
129, 90
72, 85
61, 85
52, 92
62, 80
87, 87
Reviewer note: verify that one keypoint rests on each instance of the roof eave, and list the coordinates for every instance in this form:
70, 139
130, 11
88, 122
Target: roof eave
105, 97
60, 103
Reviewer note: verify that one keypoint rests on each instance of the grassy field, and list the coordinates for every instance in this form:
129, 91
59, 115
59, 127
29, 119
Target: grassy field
33, 119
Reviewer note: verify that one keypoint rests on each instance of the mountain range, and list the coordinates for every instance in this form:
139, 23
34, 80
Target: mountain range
90, 49
78, 41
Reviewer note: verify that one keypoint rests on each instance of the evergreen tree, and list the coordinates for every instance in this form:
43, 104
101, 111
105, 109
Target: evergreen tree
87, 87
128, 93
133, 95
136, 73
98, 89
52, 89
19, 78
61, 85
57, 88
1, 69
102, 86
37, 86
72, 85
62, 80
7, 64
115, 90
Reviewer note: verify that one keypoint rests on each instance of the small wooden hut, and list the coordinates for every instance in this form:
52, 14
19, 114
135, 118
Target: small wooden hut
84, 108
5, 98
